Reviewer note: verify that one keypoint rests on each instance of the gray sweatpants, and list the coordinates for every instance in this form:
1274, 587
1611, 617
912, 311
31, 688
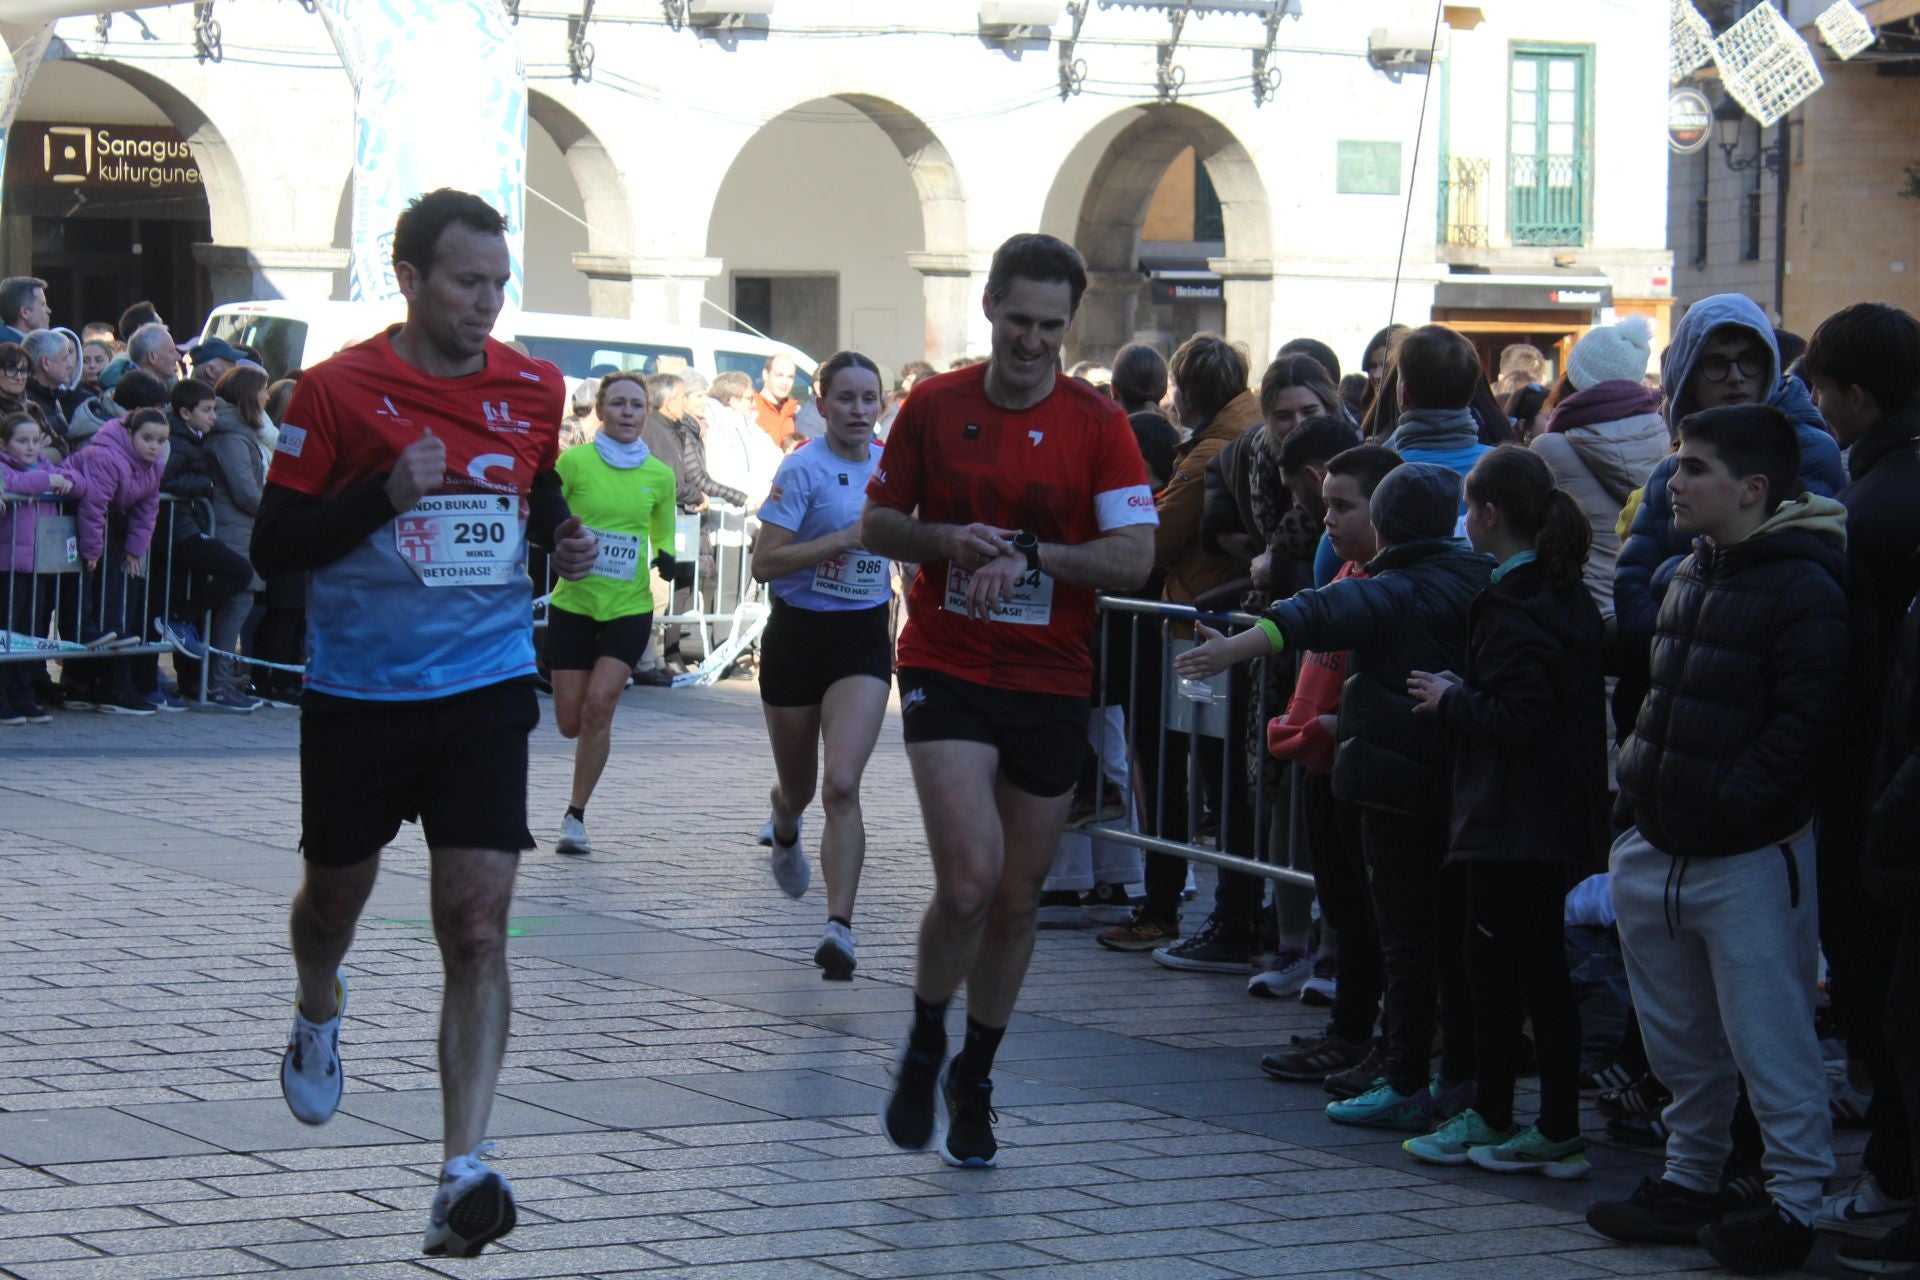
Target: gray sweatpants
1723, 955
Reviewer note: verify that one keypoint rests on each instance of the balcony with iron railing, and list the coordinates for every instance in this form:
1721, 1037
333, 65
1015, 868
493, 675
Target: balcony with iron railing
1546, 204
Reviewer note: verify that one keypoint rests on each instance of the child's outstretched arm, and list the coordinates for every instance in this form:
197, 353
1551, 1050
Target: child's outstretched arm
1220, 652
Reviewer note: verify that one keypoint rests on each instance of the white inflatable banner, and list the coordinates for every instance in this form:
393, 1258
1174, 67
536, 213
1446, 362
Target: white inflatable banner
16, 72
440, 100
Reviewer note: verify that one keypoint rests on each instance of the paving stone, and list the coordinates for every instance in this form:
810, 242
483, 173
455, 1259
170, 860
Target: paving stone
82, 1132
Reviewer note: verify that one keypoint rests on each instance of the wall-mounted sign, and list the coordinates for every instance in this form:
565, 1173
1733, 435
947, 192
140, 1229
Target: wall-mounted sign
114, 157
1171, 291
1689, 121
1469, 293
1367, 168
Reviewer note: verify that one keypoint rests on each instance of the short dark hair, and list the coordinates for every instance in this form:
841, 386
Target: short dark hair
189, 392
915, 369
1158, 439
1139, 377
1872, 346
142, 312
1316, 350
1368, 464
1790, 345
416, 236
1439, 368
144, 417
1751, 439
15, 293
138, 389
1302, 371
1209, 372
1316, 441
839, 362
1042, 259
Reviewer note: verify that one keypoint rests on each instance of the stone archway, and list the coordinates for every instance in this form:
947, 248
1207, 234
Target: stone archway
605, 205
935, 244
1112, 209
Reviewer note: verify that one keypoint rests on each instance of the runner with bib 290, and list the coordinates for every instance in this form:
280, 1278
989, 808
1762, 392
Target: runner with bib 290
411, 473
827, 658
598, 626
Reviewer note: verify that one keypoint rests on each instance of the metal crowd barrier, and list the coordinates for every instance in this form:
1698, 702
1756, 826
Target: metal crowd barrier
105, 613
1188, 718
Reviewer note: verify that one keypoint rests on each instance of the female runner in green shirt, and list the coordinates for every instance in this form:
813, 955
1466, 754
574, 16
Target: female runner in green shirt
598, 626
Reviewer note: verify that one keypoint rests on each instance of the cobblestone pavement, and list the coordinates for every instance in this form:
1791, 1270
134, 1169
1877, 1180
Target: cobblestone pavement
683, 1094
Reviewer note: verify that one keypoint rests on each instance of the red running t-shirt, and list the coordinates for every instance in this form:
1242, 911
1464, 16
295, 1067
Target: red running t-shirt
436, 601
1067, 470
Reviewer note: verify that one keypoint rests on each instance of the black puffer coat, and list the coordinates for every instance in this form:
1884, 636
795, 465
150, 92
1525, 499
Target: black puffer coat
1529, 727
189, 479
1749, 665
1411, 615
1892, 861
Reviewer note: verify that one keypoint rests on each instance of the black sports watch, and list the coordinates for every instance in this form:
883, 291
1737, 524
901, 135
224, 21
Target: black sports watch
1029, 546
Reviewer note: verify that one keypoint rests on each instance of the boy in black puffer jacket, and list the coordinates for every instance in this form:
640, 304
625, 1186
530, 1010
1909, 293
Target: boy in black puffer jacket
1411, 615
1716, 887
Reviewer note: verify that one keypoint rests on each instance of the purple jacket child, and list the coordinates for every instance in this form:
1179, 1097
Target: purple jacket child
116, 481
19, 521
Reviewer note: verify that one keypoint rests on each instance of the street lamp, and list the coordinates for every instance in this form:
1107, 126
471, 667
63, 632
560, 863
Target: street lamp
1729, 119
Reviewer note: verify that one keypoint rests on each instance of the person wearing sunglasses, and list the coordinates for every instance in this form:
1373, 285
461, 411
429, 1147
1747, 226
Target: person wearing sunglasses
15, 371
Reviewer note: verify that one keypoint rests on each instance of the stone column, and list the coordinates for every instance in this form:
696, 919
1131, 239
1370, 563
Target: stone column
245, 273
1107, 315
1249, 296
953, 285
654, 290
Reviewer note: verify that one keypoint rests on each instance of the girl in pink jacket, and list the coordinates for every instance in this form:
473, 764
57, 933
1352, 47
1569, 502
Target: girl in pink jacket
122, 467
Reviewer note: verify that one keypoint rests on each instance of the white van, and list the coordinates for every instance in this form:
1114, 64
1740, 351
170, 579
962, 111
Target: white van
290, 335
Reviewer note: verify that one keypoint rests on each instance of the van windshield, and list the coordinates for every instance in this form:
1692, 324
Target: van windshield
278, 339
595, 358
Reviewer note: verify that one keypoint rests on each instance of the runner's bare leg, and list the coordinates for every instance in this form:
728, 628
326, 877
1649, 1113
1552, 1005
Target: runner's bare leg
1030, 832
471, 892
852, 714
325, 912
794, 733
584, 703
955, 781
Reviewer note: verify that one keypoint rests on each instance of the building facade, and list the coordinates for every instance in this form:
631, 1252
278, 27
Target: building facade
1818, 211
838, 174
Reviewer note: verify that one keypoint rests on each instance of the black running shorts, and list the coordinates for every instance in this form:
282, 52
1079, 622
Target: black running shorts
1041, 737
576, 642
805, 652
457, 766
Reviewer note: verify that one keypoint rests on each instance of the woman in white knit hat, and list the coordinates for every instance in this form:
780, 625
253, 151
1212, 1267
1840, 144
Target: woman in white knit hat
1605, 436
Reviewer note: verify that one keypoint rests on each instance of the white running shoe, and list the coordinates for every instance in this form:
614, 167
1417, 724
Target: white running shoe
573, 836
310, 1076
474, 1205
834, 955
766, 832
1862, 1209
1284, 975
789, 862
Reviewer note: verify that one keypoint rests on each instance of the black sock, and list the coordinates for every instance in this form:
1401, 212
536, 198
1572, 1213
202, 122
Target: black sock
577, 811
929, 1034
974, 1062
847, 924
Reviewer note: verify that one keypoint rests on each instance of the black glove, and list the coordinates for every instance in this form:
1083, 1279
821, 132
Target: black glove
663, 565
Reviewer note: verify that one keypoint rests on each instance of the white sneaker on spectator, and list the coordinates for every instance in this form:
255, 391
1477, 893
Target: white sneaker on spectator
311, 1078
1862, 1209
1284, 975
789, 862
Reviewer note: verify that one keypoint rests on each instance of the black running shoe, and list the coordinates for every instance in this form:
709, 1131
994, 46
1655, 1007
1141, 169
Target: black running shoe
1360, 1079
1316, 1059
969, 1142
909, 1117
1758, 1243
1658, 1212
1644, 1097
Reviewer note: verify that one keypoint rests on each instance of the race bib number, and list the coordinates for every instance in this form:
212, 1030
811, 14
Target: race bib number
619, 557
852, 575
1031, 606
461, 540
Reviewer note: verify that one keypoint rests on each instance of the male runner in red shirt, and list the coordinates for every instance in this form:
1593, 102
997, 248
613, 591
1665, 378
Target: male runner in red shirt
1019, 493
411, 472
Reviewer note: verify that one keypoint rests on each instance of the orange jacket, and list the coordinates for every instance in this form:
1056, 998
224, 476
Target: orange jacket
1298, 735
775, 420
